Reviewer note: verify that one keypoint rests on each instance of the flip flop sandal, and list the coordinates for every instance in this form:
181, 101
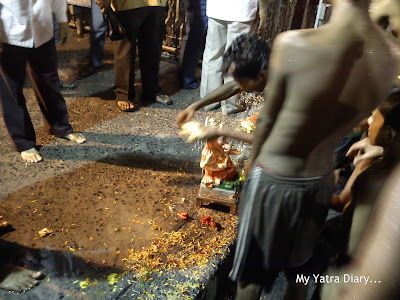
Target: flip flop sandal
68, 85
126, 109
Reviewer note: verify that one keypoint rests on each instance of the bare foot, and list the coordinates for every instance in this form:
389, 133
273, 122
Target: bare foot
76, 137
126, 106
31, 156
18, 279
3, 224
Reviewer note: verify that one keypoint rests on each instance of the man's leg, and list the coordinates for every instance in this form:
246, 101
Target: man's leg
234, 30
211, 76
150, 45
16, 117
97, 36
43, 73
124, 59
42, 69
193, 42
124, 88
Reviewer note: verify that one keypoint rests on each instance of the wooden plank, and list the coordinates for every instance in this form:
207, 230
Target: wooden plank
84, 3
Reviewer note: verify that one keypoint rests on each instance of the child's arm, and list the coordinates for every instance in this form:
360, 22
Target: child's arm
364, 155
223, 92
341, 201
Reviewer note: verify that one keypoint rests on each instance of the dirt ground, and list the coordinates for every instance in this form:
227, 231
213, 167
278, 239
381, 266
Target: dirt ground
100, 211
100, 214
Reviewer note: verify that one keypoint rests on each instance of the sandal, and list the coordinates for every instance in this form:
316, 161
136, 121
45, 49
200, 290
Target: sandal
67, 85
130, 106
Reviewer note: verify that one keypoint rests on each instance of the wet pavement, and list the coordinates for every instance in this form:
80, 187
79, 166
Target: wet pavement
149, 133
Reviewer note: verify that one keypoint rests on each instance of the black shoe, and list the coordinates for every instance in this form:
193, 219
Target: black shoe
86, 68
164, 99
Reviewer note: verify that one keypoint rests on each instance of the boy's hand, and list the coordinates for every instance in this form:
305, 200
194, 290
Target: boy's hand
185, 116
64, 33
352, 152
363, 150
191, 131
103, 4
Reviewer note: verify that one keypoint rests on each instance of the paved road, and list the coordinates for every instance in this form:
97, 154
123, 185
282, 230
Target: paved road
151, 130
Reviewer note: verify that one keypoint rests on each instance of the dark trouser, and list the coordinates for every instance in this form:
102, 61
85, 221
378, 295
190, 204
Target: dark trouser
42, 70
193, 41
123, 66
144, 27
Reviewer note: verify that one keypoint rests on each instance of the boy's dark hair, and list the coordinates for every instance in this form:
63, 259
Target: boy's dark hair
390, 109
392, 119
249, 54
391, 101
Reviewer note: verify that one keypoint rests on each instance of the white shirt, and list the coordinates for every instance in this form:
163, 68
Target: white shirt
232, 10
29, 23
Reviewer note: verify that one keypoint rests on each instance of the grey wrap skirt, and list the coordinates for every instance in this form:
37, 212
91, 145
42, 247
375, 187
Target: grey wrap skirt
280, 220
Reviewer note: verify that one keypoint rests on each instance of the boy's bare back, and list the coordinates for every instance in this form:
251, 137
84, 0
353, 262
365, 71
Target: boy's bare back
321, 83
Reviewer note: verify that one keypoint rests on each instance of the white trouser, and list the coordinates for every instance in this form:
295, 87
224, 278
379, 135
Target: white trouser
220, 35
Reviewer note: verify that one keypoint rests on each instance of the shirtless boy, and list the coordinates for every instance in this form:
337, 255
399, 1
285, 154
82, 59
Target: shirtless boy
321, 82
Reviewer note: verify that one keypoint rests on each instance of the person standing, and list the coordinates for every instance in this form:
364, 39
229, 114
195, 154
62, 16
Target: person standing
144, 23
98, 29
32, 43
193, 42
227, 19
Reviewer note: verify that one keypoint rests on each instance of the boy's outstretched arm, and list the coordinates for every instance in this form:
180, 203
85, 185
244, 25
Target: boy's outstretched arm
210, 133
223, 92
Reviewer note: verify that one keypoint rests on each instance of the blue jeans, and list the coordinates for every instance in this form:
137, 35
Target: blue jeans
193, 42
98, 29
